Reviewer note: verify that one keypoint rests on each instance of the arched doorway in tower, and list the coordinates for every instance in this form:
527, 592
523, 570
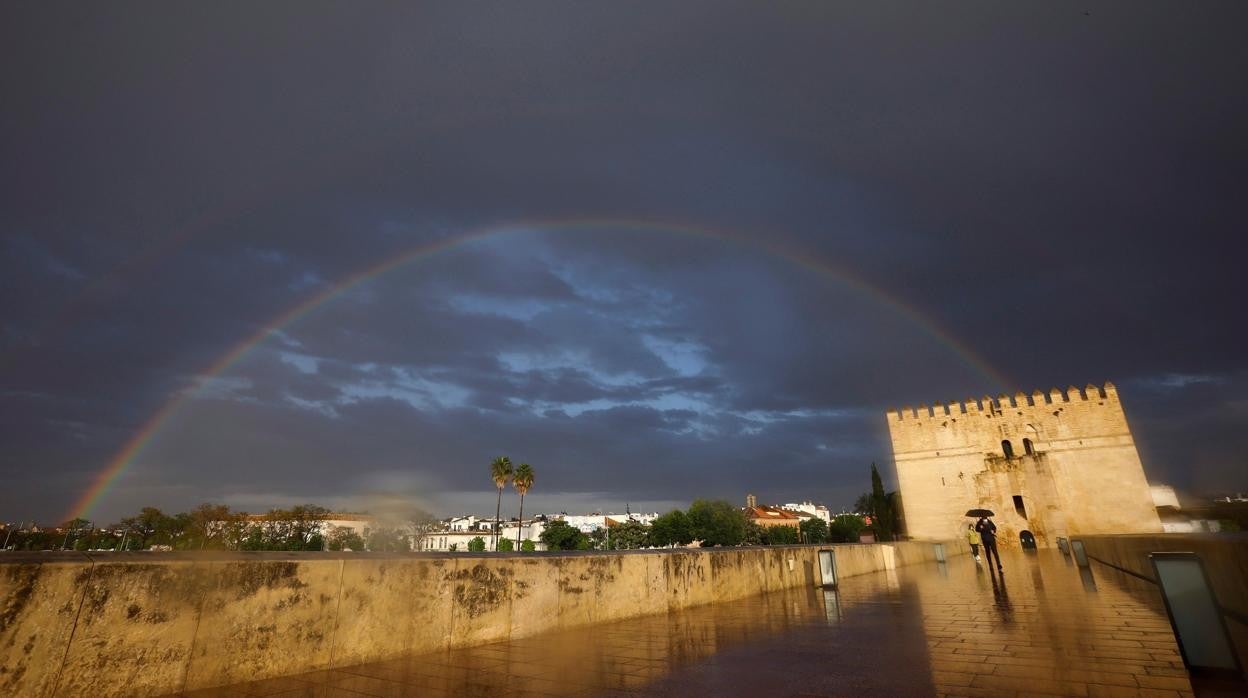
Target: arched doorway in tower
1027, 540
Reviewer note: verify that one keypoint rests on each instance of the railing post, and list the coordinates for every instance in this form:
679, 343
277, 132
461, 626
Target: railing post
1081, 557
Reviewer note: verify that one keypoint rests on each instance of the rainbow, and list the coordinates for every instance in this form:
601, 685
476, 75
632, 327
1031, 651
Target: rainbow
120, 462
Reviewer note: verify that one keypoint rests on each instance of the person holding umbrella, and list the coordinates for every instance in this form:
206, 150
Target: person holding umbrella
987, 535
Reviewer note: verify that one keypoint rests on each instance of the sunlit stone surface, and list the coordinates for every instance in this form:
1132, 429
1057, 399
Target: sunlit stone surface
928, 629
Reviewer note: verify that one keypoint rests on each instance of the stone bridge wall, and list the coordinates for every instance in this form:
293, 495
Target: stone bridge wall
1225, 557
155, 623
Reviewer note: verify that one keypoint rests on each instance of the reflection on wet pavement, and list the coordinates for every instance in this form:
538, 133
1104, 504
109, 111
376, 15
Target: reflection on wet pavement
940, 629
1048, 627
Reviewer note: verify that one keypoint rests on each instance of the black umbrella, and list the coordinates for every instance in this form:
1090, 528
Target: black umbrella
977, 513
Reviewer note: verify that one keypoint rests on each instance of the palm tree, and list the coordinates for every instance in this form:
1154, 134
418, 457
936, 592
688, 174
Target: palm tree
523, 480
500, 472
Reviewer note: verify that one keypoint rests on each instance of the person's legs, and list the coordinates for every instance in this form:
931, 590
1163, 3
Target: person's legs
990, 552
975, 551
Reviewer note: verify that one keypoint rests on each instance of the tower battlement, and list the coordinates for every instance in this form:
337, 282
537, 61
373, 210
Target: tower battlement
1020, 400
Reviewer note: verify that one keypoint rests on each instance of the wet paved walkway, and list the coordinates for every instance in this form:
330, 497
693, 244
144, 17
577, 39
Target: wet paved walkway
1044, 628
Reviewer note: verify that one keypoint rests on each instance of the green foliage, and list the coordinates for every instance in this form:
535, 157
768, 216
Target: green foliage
862, 505
501, 473
208, 526
630, 535
528, 546
598, 539
671, 528
882, 515
505, 545
780, 535
522, 480
342, 538
476, 545
150, 527
753, 534
297, 528
894, 513
388, 540
716, 522
814, 530
559, 535
420, 524
455, 547
846, 528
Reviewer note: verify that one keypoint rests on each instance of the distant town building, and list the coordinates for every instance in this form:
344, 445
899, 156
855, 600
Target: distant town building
817, 511
360, 524
764, 515
1174, 519
588, 523
1164, 496
1056, 464
447, 541
467, 523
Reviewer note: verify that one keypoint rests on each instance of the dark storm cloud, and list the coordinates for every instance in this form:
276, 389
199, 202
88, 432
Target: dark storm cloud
1057, 190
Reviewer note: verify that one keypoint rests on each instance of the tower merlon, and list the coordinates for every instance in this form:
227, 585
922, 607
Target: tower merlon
1020, 400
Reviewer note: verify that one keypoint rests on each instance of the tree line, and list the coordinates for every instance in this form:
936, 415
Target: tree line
713, 522
217, 527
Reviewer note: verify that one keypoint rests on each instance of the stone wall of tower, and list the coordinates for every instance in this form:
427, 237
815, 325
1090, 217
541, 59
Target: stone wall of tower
1073, 466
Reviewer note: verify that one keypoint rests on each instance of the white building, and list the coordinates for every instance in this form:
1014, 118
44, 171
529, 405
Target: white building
817, 511
1164, 496
464, 523
360, 524
460, 537
588, 523
1173, 518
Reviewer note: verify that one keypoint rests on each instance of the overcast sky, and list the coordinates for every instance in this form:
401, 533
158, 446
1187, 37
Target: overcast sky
1058, 189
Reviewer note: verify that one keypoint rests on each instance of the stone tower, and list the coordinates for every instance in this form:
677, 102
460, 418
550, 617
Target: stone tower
1060, 464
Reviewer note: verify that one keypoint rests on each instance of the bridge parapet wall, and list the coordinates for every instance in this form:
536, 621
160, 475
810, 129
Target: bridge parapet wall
1225, 558
157, 623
